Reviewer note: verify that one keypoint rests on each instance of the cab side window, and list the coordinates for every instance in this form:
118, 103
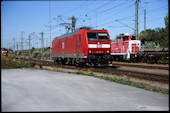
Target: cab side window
125, 38
118, 38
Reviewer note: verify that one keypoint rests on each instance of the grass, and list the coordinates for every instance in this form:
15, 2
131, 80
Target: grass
118, 79
124, 81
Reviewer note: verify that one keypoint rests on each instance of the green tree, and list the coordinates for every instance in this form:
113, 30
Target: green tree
147, 35
165, 41
32, 49
166, 19
157, 35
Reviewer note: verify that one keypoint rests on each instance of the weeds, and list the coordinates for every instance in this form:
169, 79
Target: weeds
22, 64
9, 62
78, 72
90, 72
36, 54
125, 81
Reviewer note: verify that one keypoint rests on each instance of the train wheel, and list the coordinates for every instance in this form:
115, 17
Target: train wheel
93, 65
81, 64
55, 62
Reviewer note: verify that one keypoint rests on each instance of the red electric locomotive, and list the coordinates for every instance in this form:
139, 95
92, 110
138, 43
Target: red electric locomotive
82, 47
4, 52
125, 47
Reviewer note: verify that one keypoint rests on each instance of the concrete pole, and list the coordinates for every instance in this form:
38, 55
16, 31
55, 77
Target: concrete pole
14, 46
50, 26
96, 19
22, 43
29, 46
42, 44
17, 48
145, 19
136, 19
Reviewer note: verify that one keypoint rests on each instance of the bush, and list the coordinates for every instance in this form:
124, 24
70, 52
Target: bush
22, 63
46, 54
36, 54
25, 54
10, 62
39, 56
7, 62
150, 45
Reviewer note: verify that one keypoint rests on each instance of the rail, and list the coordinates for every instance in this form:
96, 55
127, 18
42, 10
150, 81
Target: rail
140, 65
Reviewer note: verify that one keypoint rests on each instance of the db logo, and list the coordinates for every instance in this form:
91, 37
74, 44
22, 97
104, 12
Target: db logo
99, 46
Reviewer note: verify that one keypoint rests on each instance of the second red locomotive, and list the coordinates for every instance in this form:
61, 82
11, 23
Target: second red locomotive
4, 52
82, 47
125, 47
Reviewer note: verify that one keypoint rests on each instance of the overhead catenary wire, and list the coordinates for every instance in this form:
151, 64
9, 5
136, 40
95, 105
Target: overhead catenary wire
130, 16
104, 11
117, 13
72, 9
96, 9
100, 12
100, 23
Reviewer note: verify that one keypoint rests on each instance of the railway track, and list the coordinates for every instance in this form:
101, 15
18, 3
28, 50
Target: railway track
140, 75
148, 66
164, 78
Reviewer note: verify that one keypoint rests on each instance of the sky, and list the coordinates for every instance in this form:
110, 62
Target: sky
24, 18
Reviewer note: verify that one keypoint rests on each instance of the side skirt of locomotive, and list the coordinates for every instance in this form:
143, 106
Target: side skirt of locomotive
79, 60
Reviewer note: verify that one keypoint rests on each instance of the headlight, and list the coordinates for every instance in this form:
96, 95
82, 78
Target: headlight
90, 51
106, 51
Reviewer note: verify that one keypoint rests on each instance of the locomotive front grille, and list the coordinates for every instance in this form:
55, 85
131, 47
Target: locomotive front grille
98, 56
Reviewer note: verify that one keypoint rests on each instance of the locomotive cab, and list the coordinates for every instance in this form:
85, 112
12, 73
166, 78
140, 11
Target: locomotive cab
4, 52
98, 46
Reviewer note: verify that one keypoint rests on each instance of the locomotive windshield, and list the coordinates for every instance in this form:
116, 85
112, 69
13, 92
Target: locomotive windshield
4, 51
103, 36
92, 36
133, 38
125, 38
